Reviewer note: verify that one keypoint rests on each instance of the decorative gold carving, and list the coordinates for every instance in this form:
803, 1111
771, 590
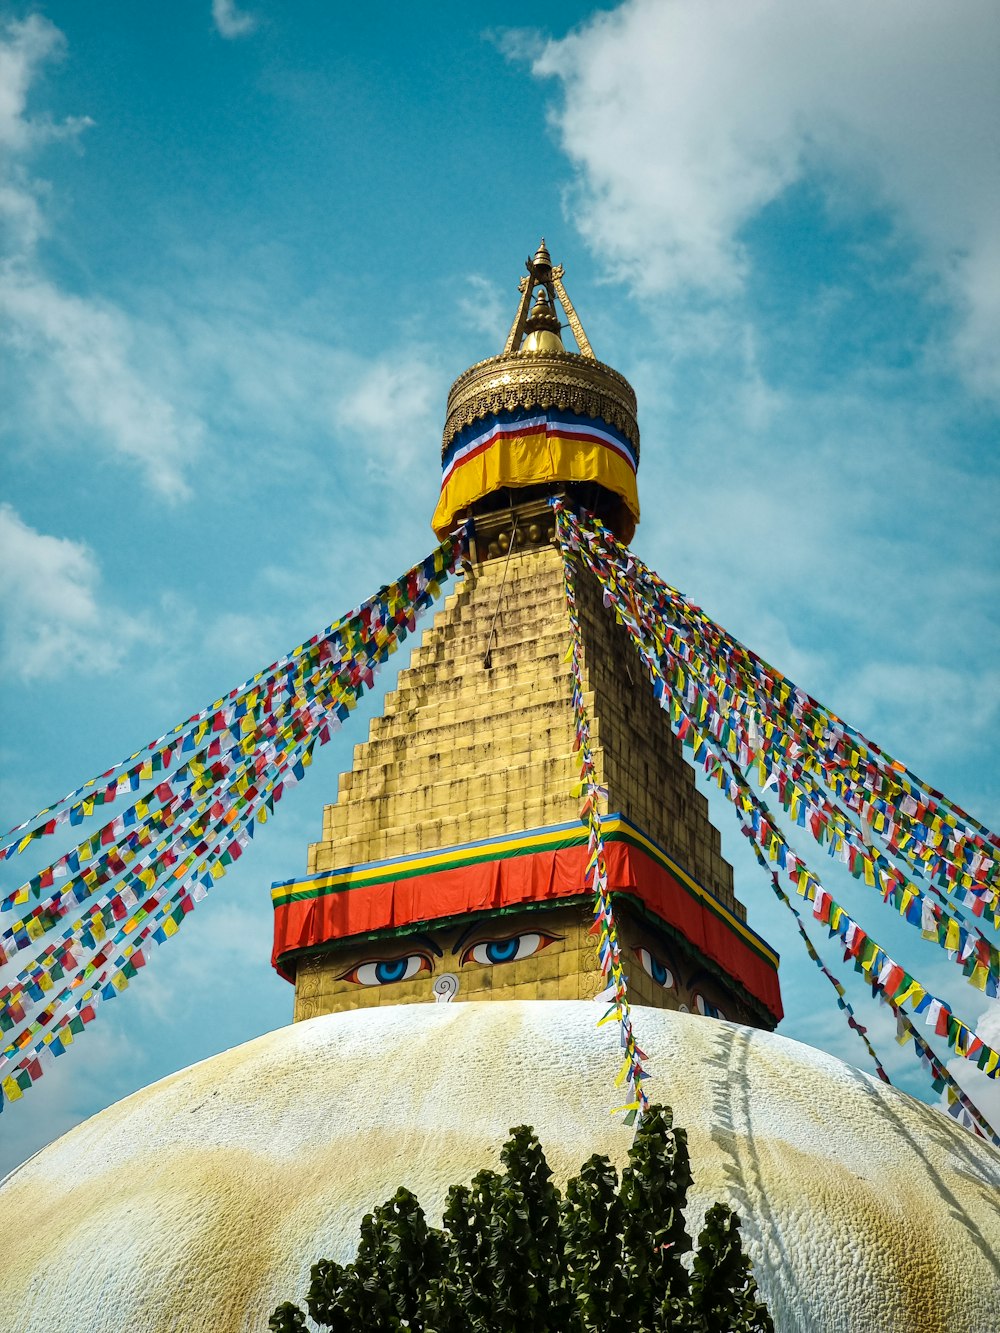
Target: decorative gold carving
542, 380
525, 286
582, 341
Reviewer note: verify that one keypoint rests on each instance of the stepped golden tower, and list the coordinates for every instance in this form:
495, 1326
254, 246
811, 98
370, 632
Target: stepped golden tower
453, 864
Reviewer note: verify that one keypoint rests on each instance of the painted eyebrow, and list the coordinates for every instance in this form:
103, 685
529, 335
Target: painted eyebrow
469, 930
478, 925
427, 942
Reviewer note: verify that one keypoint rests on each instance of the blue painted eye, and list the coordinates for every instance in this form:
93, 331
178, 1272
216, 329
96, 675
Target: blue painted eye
703, 1006
660, 973
511, 950
385, 971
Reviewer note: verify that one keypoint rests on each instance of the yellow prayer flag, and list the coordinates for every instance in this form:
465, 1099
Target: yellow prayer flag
11, 1090
913, 994
952, 937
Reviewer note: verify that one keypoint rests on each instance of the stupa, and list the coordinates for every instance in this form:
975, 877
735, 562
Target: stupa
453, 865
453, 868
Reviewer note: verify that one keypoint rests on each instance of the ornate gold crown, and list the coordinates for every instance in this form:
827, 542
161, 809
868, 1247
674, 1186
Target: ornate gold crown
535, 370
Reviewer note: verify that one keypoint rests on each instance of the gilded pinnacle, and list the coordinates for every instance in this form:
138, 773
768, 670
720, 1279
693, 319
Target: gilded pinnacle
541, 266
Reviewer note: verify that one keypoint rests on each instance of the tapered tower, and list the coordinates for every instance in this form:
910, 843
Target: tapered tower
453, 864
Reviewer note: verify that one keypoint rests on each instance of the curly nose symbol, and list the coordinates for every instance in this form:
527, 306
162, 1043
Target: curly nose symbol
445, 988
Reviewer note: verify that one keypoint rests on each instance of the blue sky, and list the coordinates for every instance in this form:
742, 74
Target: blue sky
245, 251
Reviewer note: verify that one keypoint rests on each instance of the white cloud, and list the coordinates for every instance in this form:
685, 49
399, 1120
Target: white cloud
483, 308
73, 363
230, 21
686, 120
78, 367
391, 403
25, 47
52, 617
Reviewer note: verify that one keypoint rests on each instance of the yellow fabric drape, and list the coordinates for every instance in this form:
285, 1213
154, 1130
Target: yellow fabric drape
526, 460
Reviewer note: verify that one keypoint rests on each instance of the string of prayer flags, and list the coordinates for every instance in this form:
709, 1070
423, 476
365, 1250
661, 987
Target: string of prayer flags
143, 873
698, 720
770, 720
960, 1104
693, 687
282, 676
632, 1073
842, 1001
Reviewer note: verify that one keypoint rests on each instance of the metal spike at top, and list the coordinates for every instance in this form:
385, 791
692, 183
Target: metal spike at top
542, 273
542, 262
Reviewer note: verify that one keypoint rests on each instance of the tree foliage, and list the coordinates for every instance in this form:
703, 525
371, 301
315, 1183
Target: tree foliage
513, 1254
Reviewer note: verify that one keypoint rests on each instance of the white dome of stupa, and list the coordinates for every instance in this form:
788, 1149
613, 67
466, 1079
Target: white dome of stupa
201, 1201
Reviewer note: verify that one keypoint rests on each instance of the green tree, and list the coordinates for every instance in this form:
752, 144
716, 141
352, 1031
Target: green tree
722, 1284
654, 1192
592, 1226
514, 1255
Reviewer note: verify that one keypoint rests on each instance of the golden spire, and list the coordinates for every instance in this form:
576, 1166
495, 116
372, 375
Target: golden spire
542, 274
537, 374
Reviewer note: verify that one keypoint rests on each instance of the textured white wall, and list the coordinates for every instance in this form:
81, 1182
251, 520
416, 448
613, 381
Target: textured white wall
201, 1201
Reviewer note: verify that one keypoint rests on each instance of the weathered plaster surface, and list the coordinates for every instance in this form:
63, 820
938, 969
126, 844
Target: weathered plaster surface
200, 1202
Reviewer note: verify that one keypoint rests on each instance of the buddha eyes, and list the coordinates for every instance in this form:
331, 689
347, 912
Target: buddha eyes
703, 1006
383, 972
511, 950
386, 971
660, 973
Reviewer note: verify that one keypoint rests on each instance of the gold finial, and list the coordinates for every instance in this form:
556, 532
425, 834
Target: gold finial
542, 273
542, 326
541, 266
